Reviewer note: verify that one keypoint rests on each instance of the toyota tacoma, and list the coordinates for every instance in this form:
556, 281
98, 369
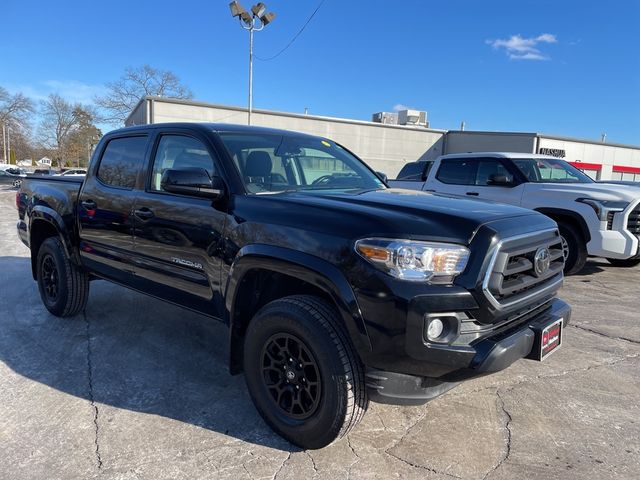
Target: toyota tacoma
336, 289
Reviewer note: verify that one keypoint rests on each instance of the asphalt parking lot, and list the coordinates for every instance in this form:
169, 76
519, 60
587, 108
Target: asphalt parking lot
139, 389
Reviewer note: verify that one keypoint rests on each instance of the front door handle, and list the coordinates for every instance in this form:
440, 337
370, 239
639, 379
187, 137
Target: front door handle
143, 213
473, 194
89, 205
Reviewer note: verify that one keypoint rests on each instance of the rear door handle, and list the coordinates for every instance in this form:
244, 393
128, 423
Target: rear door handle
143, 213
473, 194
89, 205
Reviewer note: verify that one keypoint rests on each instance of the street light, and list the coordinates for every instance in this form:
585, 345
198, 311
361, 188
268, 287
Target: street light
253, 21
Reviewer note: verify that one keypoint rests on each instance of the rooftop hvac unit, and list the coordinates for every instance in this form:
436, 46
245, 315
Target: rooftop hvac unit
389, 118
413, 117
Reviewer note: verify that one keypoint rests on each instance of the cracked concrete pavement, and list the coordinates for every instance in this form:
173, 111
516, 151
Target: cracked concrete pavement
139, 389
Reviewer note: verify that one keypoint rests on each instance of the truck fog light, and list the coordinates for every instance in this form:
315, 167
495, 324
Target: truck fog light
435, 329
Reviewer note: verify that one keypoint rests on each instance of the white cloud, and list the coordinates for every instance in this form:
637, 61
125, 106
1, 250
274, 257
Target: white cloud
520, 48
71, 90
401, 106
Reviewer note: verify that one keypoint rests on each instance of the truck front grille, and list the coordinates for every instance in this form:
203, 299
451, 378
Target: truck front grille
633, 224
518, 272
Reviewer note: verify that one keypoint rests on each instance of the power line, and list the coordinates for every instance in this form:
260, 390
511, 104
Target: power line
294, 37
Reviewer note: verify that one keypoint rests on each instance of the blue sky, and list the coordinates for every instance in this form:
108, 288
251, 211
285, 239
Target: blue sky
562, 67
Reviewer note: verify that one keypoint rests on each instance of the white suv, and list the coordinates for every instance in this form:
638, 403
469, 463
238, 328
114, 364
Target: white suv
596, 219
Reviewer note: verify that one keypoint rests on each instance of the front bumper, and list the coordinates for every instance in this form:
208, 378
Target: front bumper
614, 240
488, 355
613, 244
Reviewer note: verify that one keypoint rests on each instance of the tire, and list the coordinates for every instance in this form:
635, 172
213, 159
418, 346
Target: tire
329, 388
575, 248
629, 262
64, 288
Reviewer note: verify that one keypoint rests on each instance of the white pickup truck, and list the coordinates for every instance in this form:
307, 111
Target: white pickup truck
596, 219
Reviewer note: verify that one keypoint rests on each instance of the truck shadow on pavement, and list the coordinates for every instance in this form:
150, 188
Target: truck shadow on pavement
128, 351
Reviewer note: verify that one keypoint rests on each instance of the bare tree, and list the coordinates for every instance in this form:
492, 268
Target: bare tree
21, 144
124, 93
15, 111
67, 129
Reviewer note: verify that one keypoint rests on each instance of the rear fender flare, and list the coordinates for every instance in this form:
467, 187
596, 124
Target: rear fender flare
41, 213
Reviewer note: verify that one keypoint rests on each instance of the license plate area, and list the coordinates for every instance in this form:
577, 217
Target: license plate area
548, 339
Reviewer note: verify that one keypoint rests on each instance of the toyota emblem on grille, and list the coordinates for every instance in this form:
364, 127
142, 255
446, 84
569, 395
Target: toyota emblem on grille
541, 261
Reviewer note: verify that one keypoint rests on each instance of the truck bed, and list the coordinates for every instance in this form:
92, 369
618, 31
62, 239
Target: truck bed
54, 197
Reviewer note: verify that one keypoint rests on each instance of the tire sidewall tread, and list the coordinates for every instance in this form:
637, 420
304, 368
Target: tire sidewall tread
309, 317
577, 248
73, 282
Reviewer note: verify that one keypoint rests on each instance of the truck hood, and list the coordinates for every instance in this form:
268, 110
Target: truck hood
392, 213
599, 191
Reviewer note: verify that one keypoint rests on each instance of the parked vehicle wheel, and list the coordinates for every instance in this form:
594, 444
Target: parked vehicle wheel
630, 262
574, 248
302, 372
64, 288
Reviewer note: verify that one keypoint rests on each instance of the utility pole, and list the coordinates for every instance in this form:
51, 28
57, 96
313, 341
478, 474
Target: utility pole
8, 145
253, 22
250, 74
4, 144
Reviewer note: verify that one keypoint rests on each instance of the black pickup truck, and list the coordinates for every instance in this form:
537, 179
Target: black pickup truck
335, 288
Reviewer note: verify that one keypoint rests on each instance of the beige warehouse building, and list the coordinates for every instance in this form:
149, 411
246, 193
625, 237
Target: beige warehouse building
387, 147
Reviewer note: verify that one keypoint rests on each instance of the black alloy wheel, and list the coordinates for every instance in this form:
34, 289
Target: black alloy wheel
292, 376
50, 278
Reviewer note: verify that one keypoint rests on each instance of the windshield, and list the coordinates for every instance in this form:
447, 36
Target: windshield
276, 163
547, 170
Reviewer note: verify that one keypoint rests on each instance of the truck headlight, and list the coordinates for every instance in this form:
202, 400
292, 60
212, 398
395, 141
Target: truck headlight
415, 260
603, 207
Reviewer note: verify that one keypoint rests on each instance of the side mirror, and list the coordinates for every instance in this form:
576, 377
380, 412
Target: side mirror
382, 176
192, 181
500, 180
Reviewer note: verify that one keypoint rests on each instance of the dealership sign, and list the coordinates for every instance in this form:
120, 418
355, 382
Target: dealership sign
554, 152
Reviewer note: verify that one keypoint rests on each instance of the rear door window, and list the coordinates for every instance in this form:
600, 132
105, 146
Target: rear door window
179, 152
415, 171
121, 161
458, 171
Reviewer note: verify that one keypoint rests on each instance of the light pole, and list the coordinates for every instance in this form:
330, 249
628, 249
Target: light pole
253, 22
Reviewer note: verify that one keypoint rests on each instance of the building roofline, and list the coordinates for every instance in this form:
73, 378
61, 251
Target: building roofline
284, 114
586, 140
549, 136
374, 124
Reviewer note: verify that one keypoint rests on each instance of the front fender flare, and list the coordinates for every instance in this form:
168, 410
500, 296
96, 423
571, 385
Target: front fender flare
308, 268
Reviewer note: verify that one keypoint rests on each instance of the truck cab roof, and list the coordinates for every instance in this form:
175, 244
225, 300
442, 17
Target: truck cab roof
207, 127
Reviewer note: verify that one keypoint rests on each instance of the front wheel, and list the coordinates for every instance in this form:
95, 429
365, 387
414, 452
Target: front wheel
302, 372
573, 247
64, 288
629, 262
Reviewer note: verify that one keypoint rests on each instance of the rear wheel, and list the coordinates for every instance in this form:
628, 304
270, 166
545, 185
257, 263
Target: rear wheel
574, 248
64, 288
302, 372
629, 262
